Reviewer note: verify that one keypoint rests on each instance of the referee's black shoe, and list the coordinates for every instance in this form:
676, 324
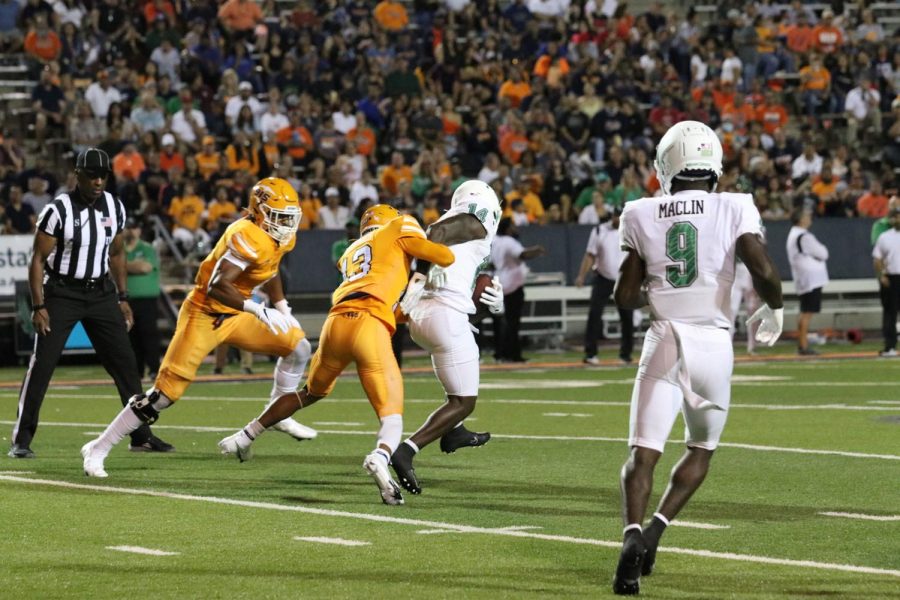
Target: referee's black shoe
17, 451
152, 444
461, 437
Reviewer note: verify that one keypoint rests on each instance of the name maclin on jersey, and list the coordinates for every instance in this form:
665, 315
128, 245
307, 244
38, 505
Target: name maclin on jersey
677, 208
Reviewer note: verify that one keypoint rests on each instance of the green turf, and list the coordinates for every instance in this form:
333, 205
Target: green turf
559, 497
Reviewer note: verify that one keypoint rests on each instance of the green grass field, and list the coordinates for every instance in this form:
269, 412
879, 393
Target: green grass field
534, 514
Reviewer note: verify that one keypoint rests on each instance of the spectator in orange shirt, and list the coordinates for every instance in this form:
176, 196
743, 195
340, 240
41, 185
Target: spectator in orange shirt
159, 7
42, 43
395, 173
391, 15
771, 113
815, 86
824, 187
128, 164
534, 208
723, 95
169, 156
513, 142
240, 16
874, 203
243, 154
826, 37
363, 135
208, 157
800, 35
295, 139
186, 212
739, 113
310, 205
514, 88
221, 212
551, 67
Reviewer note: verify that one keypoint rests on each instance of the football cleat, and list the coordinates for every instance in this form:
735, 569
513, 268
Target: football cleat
376, 466
296, 430
237, 444
93, 461
406, 475
649, 559
462, 438
627, 581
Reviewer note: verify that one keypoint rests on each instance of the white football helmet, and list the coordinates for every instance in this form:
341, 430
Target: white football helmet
478, 193
690, 151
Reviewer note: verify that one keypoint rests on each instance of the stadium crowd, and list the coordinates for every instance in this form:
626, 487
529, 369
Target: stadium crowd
558, 104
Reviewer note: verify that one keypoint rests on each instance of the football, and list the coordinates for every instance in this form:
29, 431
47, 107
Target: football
481, 282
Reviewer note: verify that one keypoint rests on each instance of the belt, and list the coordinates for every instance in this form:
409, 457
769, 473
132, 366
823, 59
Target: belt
85, 284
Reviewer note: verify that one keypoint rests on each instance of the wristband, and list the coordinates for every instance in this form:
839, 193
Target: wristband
123, 296
38, 307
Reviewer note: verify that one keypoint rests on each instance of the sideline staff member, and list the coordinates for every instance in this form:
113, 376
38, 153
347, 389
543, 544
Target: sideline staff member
77, 245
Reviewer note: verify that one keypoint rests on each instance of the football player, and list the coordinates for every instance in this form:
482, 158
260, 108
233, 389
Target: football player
358, 329
439, 323
680, 258
219, 310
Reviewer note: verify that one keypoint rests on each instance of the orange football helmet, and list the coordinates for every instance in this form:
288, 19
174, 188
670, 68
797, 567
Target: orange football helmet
376, 216
275, 207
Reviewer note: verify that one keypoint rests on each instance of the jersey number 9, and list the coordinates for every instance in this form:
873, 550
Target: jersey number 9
681, 246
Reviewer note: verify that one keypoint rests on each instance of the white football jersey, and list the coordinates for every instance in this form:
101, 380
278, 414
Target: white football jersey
687, 241
471, 258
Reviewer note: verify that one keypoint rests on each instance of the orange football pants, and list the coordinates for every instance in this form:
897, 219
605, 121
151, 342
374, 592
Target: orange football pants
197, 334
357, 336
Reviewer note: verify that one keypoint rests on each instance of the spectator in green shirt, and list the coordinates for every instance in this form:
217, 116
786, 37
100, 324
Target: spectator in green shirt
628, 189
585, 197
142, 265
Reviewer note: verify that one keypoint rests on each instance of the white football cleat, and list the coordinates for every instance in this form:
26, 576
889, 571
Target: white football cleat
93, 461
376, 465
237, 444
295, 429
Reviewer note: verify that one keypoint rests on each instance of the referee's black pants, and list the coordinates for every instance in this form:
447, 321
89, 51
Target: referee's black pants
600, 292
98, 310
510, 346
890, 303
145, 334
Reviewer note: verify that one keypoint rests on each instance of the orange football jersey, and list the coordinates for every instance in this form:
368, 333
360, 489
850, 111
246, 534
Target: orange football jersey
248, 246
377, 264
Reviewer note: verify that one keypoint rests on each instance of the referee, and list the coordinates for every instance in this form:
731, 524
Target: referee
77, 246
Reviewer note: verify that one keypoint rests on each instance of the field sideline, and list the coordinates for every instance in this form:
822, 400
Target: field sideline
802, 498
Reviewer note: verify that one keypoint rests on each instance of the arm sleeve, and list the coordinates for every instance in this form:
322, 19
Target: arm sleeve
422, 248
120, 216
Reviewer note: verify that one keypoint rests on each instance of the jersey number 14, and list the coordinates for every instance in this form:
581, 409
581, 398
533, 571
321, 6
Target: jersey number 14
681, 246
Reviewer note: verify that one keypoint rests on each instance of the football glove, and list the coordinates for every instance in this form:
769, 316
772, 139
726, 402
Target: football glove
492, 297
271, 318
284, 308
771, 322
437, 277
414, 290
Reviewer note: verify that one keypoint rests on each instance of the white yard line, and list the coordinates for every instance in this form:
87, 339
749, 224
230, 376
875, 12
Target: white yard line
556, 414
892, 402
696, 525
337, 423
140, 550
330, 540
535, 438
846, 515
519, 401
810, 564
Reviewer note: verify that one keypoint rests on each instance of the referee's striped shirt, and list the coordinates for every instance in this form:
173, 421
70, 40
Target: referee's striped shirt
83, 234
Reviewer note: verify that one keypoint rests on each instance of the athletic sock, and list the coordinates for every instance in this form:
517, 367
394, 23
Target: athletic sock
655, 529
412, 445
254, 429
124, 423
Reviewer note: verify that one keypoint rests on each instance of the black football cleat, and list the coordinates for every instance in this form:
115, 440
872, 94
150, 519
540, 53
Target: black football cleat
152, 444
17, 451
627, 581
463, 438
401, 461
649, 559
